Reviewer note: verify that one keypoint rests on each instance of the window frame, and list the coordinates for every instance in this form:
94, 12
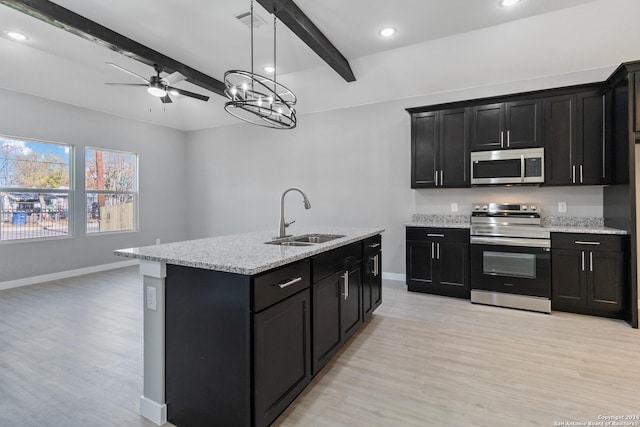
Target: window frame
135, 193
70, 192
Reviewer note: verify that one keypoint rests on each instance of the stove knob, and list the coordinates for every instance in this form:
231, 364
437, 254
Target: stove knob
476, 207
534, 207
485, 208
524, 207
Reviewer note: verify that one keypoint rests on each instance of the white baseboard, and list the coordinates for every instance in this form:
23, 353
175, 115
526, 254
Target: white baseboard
394, 276
153, 411
65, 274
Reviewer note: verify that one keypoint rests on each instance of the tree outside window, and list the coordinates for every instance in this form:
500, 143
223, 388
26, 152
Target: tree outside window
111, 188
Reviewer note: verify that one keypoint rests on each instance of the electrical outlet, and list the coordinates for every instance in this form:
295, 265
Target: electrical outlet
157, 241
454, 207
562, 206
152, 303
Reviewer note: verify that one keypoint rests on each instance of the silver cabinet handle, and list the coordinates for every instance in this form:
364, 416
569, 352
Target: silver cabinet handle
436, 177
584, 242
581, 179
501, 139
346, 284
432, 250
582, 252
441, 177
590, 261
290, 282
375, 245
376, 270
438, 246
508, 139
434, 235
573, 173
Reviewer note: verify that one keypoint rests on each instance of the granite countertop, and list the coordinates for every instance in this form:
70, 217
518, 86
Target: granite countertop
554, 224
245, 253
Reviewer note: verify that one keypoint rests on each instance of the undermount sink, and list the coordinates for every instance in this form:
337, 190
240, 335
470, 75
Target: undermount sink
304, 239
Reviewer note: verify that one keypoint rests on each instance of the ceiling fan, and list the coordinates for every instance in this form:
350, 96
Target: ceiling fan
159, 86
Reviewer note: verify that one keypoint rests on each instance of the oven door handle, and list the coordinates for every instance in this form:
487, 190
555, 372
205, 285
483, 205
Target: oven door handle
511, 241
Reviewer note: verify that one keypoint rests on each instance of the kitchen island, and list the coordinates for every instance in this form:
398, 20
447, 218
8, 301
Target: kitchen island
235, 328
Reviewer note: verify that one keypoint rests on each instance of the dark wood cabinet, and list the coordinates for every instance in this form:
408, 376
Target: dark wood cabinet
437, 261
588, 274
577, 152
371, 276
440, 149
282, 355
337, 301
505, 125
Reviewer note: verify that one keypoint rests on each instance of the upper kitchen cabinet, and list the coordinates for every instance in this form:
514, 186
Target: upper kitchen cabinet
515, 124
576, 149
440, 149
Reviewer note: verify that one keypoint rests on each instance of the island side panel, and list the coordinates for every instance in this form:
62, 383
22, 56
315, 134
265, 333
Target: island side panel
208, 347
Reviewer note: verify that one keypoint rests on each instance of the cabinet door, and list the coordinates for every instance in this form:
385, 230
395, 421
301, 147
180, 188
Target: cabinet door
376, 283
560, 139
350, 302
367, 284
568, 279
424, 138
487, 127
454, 148
282, 355
523, 124
453, 260
606, 280
419, 264
591, 150
326, 319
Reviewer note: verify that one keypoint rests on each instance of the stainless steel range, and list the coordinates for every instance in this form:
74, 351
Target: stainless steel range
510, 257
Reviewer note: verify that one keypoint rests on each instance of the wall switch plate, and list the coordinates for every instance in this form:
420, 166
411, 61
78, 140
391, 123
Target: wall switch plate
562, 206
454, 207
157, 241
152, 303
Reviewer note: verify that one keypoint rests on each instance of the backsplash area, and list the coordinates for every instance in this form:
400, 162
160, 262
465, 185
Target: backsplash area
581, 201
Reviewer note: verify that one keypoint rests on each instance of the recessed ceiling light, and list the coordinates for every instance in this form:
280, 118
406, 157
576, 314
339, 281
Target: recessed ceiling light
387, 31
269, 69
508, 2
16, 35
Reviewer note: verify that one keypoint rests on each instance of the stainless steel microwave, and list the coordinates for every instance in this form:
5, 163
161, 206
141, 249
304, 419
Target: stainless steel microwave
522, 166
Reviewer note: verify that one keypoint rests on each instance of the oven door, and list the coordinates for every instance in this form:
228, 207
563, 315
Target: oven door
510, 269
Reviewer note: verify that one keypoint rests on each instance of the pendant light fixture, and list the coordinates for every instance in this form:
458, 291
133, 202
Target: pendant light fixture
257, 99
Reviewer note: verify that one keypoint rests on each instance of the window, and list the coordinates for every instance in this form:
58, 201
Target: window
34, 189
111, 184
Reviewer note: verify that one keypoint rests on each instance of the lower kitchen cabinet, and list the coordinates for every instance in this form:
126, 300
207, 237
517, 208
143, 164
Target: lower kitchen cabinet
588, 274
337, 300
371, 276
438, 261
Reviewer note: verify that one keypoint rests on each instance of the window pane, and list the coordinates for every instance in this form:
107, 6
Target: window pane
33, 215
110, 170
110, 212
30, 164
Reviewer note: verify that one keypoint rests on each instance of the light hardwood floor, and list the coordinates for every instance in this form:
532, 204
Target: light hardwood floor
71, 355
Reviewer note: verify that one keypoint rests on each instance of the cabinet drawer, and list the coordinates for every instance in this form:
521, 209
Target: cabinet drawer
345, 257
276, 285
458, 235
592, 242
371, 245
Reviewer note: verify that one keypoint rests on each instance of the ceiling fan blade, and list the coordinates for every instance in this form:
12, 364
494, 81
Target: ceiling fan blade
126, 84
174, 78
128, 72
166, 100
187, 93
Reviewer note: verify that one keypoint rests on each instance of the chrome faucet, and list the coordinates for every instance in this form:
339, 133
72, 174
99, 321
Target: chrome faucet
283, 224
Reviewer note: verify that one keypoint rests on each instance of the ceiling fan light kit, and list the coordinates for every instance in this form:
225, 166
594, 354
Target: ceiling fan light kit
257, 99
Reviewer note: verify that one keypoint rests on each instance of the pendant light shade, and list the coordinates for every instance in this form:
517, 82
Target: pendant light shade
257, 99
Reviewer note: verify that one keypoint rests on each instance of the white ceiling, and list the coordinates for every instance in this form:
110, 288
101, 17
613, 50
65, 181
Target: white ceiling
204, 35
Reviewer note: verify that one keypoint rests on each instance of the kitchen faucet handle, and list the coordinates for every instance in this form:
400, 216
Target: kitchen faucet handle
286, 224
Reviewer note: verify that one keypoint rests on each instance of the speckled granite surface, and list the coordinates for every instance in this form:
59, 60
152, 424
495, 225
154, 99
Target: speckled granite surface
439, 221
244, 253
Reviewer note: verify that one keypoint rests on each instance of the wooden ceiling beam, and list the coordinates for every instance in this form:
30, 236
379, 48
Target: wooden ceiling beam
67, 20
300, 24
